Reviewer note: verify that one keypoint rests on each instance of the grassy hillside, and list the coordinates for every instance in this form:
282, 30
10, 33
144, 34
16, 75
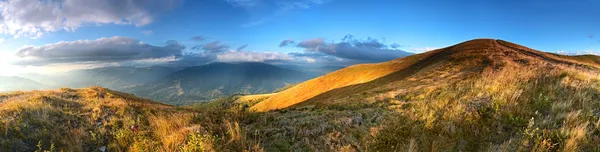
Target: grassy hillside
480, 95
455, 63
94, 118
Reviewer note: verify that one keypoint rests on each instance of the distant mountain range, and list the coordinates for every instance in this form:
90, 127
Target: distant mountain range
175, 85
19, 83
116, 78
202, 83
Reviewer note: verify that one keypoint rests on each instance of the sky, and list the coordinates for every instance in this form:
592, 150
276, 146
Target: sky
44, 36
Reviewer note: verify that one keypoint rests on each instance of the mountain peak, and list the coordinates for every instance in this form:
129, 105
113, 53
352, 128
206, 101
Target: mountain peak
483, 43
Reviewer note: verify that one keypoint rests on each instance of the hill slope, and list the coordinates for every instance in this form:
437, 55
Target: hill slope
87, 119
203, 83
443, 65
96, 118
480, 95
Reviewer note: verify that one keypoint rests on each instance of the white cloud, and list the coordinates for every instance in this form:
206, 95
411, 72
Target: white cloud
147, 32
592, 52
588, 52
1, 40
239, 56
33, 18
309, 59
423, 49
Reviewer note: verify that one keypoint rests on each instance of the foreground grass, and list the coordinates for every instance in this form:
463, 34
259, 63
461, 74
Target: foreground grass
506, 110
547, 109
96, 118
503, 110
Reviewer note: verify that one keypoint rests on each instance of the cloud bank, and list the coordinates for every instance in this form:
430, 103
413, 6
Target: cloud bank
33, 18
113, 49
367, 50
132, 52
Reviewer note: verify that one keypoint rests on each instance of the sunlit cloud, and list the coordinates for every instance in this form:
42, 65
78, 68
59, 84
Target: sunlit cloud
33, 18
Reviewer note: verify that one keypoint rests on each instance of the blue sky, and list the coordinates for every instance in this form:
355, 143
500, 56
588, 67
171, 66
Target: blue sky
414, 26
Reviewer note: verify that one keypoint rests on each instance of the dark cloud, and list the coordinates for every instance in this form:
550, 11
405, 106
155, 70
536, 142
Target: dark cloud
242, 47
369, 50
395, 46
286, 43
114, 49
312, 45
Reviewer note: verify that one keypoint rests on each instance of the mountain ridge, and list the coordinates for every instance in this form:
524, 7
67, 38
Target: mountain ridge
12, 82
219, 79
489, 52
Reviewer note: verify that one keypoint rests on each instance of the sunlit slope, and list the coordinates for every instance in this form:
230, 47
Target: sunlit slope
345, 77
252, 99
88, 120
438, 67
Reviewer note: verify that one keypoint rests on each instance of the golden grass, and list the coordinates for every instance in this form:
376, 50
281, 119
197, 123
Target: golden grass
447, 63
487, 96
494, 108
345, 77
253, 99
482, 95
86, 119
